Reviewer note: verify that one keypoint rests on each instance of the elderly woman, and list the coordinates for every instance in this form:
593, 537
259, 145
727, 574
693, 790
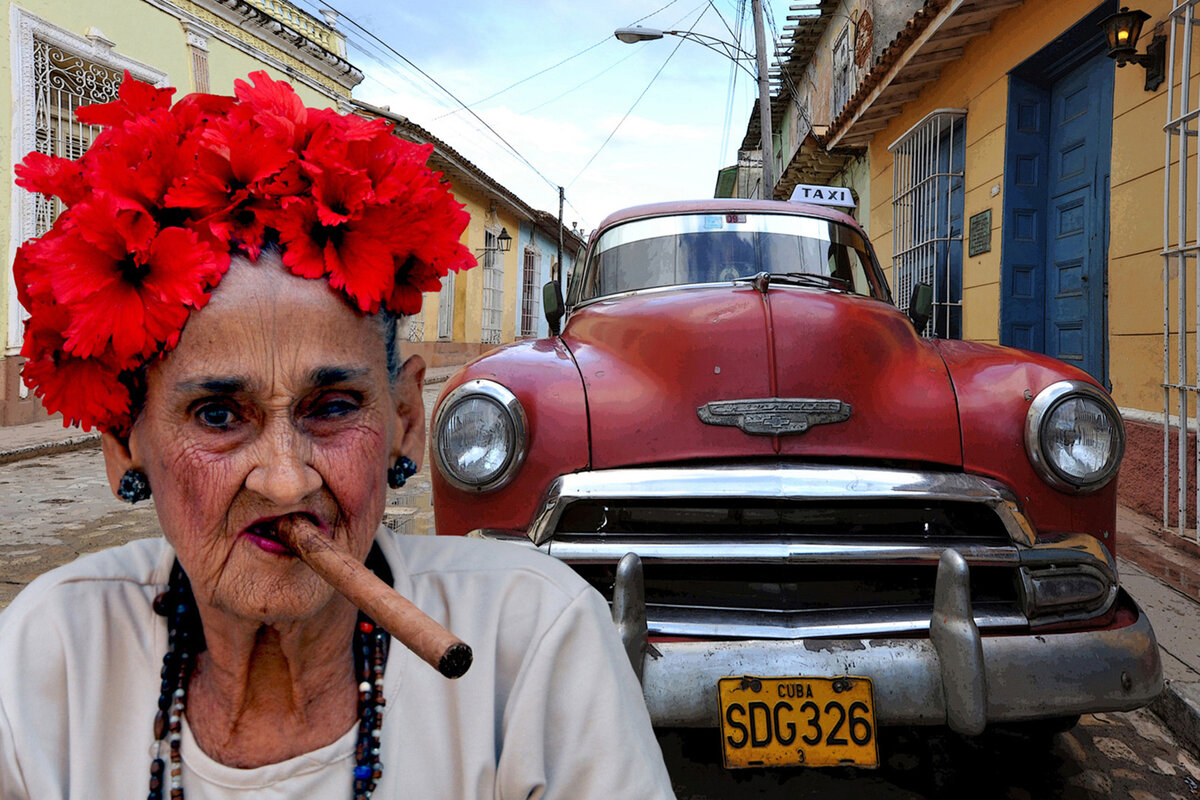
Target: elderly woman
220, 298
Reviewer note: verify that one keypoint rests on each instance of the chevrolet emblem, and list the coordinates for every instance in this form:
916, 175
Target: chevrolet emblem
774, 416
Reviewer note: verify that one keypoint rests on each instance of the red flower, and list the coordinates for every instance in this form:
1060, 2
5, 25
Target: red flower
51, 175
33, 281
138, 164
275, 107
135, 304
88, 391
135, 98
349, 253
340, 193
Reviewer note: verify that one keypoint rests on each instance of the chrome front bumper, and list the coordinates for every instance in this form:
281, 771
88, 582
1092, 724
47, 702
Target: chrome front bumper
937, 670
956, 677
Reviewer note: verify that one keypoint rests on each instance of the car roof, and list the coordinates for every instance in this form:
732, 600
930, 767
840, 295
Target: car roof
726, 205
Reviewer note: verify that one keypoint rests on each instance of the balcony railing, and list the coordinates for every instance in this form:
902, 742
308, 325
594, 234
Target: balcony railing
302, 23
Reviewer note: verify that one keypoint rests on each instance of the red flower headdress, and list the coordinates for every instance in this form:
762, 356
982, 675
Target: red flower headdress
166, 193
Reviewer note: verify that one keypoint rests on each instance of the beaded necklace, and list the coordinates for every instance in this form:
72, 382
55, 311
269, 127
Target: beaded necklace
185, 639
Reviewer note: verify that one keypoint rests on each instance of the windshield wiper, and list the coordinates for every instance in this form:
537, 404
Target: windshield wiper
763, 280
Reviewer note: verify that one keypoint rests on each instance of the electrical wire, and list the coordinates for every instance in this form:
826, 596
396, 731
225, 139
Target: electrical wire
540, 72
450, 94
734, 73
635, 102
580, 85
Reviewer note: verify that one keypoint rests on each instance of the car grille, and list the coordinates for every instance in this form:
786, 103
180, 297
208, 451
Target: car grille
801, 556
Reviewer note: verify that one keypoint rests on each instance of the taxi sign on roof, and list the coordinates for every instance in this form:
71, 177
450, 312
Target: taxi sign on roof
823, 195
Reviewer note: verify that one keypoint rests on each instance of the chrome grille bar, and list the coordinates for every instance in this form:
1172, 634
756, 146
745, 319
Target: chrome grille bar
776, 482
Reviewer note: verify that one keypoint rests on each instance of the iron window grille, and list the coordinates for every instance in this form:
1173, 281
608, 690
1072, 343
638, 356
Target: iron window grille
841, 70
493, 290
1181, 273
927, 216
529, 292
445, 320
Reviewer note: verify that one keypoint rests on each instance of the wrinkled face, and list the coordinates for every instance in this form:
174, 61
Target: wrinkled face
276, 401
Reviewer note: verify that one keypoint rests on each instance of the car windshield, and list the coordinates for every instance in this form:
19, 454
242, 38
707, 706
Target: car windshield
722, 247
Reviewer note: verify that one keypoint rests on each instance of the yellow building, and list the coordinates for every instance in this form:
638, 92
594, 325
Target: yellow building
64, 53
1003, 157
482, 307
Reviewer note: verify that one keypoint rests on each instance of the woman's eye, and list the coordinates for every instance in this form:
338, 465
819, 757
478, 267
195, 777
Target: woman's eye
216, 416
334, 407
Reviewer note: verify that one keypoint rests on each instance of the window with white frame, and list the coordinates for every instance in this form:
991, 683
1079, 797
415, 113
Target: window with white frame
841, 70
446, 308
54, 72
529, 294
493, 290
927, 216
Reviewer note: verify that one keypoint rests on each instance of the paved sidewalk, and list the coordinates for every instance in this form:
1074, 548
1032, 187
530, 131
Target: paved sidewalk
1162, 572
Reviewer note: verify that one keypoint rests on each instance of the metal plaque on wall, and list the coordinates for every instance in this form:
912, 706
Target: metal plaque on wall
981, 233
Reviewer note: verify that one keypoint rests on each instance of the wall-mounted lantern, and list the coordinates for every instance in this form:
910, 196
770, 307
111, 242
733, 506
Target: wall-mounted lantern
503, 244
1122, 30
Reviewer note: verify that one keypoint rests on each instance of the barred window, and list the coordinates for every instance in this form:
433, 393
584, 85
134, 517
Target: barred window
63, 81
927, 216
841, 70
446, 308
529, 295
493, 290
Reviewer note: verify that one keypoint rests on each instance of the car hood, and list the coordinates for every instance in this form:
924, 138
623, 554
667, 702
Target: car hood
652, 360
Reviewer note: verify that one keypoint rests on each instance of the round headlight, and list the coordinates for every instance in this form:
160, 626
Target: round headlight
1074, 436
479, 436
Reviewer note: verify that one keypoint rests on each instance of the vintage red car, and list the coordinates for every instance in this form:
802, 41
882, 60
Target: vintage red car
811, 521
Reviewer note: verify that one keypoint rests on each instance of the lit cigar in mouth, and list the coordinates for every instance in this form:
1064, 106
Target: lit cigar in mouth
409, 625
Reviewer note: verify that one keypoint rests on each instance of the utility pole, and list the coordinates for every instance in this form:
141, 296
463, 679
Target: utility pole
558, 277
764, 103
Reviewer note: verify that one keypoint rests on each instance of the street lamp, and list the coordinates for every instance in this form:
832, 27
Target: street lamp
739, 57
734, 53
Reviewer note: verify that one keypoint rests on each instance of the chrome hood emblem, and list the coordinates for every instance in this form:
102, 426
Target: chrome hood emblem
774, 416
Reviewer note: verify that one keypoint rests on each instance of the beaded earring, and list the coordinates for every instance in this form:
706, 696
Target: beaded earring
399, 474
133, 487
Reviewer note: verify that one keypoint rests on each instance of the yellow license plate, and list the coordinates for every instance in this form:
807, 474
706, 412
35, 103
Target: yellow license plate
800, 721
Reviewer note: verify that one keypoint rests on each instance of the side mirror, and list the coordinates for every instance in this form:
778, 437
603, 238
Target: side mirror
552, 304
920, 306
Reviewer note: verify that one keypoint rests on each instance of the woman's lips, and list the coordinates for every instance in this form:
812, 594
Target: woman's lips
263, 535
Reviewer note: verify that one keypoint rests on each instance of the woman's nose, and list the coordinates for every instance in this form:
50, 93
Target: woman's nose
283, 473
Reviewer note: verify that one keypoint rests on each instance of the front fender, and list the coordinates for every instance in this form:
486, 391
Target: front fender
543, 376
995, 387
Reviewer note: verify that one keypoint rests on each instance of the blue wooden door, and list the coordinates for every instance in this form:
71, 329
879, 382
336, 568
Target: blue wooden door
1055, 239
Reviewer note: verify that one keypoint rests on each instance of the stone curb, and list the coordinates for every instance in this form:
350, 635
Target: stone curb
1179, 708
87, 440
80, 442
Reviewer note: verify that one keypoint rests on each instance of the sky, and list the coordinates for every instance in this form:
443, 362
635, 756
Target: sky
578, 124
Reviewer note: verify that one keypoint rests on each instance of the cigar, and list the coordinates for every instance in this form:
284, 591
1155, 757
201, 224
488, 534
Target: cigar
408, 624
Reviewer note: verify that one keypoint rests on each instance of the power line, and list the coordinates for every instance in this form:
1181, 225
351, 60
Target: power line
540, 72
733, 78
605, 40
435, 82
580, 85
635, 102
